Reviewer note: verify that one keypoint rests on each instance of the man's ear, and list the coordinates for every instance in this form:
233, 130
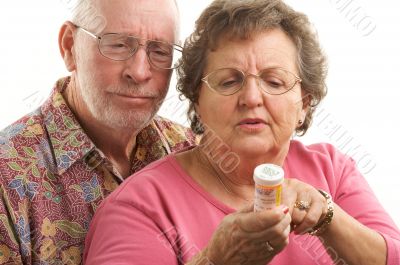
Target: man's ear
66, 42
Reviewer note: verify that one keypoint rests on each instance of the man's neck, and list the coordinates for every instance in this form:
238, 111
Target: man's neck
116, 144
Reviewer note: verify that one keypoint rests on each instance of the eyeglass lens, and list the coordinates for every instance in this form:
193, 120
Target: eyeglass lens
273, 80
121, 47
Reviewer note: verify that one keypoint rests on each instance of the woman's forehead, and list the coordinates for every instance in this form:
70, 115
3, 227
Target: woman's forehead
265, 49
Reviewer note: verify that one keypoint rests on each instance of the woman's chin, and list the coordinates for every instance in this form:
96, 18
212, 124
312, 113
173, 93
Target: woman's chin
253, 148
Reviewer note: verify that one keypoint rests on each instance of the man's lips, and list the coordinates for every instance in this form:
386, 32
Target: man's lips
134, 96
134, 99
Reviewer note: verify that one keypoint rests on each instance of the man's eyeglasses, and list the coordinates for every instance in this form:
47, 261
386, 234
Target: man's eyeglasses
228, 81
120, 47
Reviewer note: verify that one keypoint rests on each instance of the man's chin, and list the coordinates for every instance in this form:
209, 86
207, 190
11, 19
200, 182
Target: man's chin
132, 120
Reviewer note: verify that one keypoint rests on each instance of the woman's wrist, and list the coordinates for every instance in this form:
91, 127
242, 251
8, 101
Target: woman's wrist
320, 228
201, 259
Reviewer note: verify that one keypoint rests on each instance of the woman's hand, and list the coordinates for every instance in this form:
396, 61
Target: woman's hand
306, 205
248, 237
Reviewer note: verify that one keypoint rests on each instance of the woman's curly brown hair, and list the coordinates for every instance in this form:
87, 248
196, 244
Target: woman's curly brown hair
242, 19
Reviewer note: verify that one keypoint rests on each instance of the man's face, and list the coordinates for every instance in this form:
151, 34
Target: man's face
125, 94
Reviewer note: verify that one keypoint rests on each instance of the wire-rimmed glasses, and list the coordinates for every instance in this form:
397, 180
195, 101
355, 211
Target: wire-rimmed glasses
120, 47
228, 81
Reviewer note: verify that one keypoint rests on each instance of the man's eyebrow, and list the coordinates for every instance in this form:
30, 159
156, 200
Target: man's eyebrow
133, 35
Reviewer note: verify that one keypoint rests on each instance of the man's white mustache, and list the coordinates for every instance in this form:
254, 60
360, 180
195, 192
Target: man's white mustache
134, 91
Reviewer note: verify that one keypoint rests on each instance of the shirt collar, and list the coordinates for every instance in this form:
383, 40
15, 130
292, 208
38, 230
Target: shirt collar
70, 143
68, 140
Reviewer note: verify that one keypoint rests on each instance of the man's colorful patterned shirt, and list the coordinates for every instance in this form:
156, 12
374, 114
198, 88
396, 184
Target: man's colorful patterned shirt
52, 179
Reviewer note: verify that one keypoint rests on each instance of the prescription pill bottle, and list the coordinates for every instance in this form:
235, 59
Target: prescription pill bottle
268, 179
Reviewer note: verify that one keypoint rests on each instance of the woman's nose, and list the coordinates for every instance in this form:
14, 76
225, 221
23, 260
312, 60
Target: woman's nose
251, 94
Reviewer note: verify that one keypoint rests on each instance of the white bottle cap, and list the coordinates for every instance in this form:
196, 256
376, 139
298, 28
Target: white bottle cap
268, 175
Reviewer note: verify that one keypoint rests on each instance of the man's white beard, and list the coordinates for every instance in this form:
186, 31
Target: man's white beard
104, 111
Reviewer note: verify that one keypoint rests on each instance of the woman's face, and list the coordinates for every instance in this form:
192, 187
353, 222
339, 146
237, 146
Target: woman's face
252, 122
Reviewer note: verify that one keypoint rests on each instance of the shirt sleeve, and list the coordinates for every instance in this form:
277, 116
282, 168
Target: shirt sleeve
355, 196
122, 234
9, 243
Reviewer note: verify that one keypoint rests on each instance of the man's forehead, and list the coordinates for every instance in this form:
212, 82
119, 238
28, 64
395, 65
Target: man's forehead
118, 10
146, 6
141, 18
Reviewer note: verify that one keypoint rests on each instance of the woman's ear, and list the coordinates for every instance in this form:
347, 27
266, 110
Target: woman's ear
66, 42
306, 101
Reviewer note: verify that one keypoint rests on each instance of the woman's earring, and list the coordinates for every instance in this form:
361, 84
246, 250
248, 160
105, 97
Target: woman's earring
300, 122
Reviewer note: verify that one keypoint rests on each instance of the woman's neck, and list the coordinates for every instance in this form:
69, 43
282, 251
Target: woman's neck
225, 173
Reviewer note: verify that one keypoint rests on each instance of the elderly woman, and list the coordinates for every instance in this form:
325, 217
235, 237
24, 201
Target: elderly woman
254, 73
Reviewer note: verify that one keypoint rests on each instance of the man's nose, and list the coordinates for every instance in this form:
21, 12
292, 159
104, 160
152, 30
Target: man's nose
138, 67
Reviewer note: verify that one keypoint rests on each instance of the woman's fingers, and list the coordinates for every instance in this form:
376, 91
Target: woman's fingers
273, 237
260, 221
314, 214
250, 237
307, 206
276, 230
289, 195
276, 236
301, 206
247, 209
280, 242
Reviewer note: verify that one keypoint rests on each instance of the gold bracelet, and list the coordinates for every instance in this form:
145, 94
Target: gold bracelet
319, 228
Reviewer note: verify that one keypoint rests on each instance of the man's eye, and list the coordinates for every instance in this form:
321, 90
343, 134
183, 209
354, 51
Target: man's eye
160, 51
118, 45
115, 45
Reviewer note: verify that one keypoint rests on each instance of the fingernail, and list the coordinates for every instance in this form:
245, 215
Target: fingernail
286, 210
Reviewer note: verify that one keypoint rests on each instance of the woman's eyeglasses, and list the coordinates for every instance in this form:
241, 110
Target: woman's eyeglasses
228, 81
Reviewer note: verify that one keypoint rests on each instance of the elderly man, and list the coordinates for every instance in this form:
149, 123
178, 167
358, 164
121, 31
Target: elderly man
98, 127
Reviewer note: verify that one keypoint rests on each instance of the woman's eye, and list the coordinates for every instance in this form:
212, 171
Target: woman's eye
274, 83
229, 83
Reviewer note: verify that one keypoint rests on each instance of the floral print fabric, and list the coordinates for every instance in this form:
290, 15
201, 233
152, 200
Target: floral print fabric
53, 178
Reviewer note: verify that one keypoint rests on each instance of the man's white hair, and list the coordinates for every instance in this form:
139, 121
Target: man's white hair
86, 15
77, 11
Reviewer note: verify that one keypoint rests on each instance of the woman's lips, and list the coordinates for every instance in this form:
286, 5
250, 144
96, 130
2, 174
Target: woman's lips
252, 124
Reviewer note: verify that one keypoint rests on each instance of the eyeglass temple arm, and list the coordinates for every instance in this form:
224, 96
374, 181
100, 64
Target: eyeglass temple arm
90, 33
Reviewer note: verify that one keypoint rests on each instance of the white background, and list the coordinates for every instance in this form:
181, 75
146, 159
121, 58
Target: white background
363, 99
